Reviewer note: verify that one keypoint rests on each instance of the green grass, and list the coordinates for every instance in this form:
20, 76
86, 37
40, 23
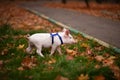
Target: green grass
67, 68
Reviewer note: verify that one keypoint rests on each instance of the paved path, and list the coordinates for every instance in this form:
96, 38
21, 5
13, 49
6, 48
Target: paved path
101, 28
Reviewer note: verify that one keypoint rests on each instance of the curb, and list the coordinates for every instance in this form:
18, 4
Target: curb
74, 30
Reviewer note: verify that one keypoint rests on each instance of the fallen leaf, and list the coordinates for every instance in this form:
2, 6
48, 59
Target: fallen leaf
59, 77
89, 51
21, 46
97, 66
99, 58
116, 70
29, 77
99, 48
112, 57
51, 61
83, 77
21, 68
85, 45
10, 45
107, 62
29, 62
5, 36
1, 64
4, 52
82, 54
99, 77
71, 52
68, 57
106, 55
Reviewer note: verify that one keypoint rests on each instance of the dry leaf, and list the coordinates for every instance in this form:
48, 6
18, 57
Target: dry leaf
68, 57
10, 45
51, 61
59, 77
99, 77
21, 46
116, 70
28, 62
99, 48
99, 58
71, 52
29, 77
4, 52
82, 54
85, 45
83, 77
106, 55
21, 68
1, 64
112, 57
97, 66
107, 62
89, 51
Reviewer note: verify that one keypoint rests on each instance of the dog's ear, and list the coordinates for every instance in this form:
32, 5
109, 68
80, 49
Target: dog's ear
67, 32
64, 29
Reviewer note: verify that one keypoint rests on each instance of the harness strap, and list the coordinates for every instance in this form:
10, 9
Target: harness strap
56, 34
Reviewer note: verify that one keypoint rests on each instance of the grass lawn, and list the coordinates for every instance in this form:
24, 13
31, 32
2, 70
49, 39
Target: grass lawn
85, 60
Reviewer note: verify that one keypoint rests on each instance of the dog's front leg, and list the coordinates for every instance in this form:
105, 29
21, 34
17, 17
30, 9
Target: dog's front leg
53, 49
39, 51
59, 50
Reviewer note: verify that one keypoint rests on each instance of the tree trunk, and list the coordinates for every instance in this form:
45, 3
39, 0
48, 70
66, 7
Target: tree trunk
64, 1
87, 3
99, 1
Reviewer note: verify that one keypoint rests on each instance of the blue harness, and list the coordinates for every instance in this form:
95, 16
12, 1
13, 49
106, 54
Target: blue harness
56, 34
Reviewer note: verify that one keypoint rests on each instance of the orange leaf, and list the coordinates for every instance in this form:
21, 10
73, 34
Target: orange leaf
71, 52
108, 62
21, 68
97, 66
51, 61
21, 46
59, 77
99, 77
69, 57
116, 70
83, 77
99, 58
28, 62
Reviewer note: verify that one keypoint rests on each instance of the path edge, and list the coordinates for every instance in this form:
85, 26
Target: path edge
74, 30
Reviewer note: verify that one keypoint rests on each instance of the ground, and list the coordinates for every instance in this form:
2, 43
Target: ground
19, 18
85, 60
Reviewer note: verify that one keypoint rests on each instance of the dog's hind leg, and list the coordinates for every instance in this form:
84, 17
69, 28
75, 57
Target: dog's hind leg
29, 48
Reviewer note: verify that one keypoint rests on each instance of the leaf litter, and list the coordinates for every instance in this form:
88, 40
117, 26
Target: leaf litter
28, 63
